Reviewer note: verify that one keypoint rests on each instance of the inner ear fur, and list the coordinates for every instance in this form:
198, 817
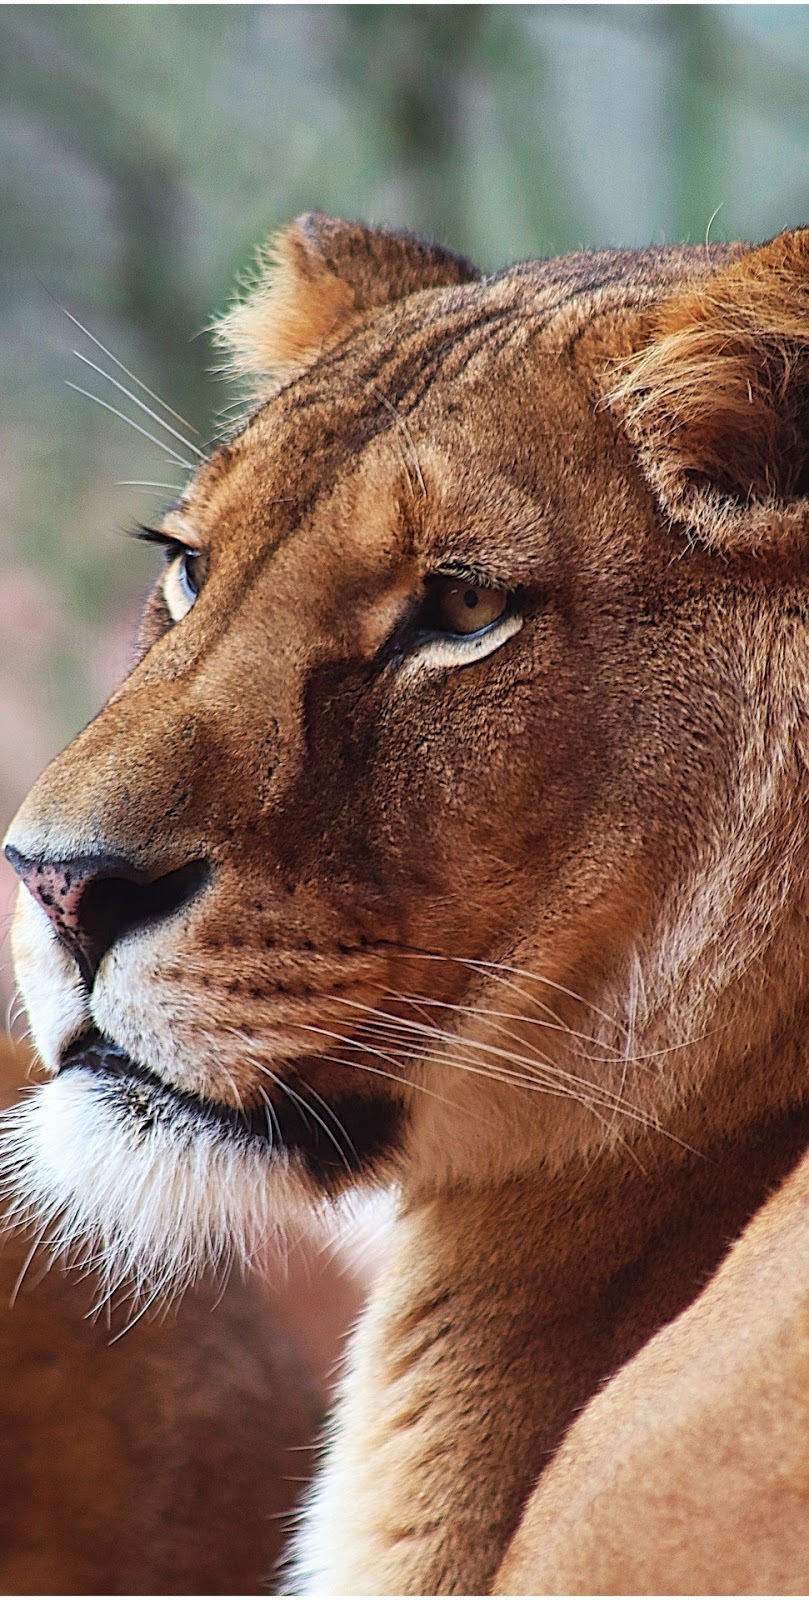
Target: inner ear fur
717, 396
315, 280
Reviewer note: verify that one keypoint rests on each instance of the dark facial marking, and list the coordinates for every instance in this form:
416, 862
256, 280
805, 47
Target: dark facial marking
334, 1146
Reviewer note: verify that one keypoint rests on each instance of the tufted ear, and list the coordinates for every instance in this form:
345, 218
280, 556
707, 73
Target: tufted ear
717, 397
315, 279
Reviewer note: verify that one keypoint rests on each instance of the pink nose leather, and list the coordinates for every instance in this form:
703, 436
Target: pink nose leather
85, 899
93, 901
59, 887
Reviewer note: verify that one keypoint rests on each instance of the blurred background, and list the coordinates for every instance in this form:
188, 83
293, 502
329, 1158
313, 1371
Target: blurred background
147, 150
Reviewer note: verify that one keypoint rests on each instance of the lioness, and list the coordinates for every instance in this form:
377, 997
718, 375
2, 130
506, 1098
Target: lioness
451, 833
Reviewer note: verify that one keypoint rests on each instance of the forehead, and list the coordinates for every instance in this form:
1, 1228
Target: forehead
414, 407
462, 401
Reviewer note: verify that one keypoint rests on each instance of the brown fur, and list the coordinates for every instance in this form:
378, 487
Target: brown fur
718, 397
583, 856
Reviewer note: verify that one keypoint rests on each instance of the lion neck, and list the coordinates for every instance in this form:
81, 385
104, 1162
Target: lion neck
511, 1296
501, 1311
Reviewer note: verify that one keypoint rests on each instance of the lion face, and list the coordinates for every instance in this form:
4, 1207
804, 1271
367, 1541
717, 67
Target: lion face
434, 720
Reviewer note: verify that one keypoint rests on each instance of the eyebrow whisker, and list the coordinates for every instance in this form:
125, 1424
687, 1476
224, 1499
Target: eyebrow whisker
400, 423
140, 403
167, 450
139, 381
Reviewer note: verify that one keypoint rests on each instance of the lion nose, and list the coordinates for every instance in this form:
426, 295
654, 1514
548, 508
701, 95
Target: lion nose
93, 901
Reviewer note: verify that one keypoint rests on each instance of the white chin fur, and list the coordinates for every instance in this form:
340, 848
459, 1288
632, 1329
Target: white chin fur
151, 1201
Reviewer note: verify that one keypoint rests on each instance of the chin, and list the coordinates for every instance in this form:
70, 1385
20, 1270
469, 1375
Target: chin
126, 1175
151, 1185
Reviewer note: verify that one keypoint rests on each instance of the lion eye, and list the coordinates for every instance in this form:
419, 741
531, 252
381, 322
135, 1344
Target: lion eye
460, 606
181, 584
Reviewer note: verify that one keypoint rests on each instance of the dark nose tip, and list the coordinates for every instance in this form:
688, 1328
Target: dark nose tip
93, 901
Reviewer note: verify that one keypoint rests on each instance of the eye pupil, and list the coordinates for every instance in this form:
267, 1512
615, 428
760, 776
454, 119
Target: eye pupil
460, 606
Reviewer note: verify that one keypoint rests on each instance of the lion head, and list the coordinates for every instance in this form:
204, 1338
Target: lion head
453, 804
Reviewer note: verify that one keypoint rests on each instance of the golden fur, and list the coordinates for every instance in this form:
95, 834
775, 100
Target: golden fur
334, 892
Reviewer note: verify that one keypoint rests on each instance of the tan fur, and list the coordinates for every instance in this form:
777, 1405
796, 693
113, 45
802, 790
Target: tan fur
524, 932
689, 1474
312, 283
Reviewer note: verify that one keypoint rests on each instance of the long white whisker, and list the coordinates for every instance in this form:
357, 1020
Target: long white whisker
618, 1099
146, 483
273, 1124
384, 1055
542, 1064
161, 444
493, 969
140, 403
495, 1074
286, 1088
496, 968
379, 1072
537, 1076
555, 1026
345, 1039
416, 1050
120, 365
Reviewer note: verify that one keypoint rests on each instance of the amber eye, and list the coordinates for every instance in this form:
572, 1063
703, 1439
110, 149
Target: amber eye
463, 607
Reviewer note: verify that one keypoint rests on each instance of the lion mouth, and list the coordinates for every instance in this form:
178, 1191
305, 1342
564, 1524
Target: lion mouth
153, 1099
346, 1140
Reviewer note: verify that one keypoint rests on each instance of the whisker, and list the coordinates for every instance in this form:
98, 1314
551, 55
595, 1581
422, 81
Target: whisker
378, 1071
234, 1089
429, 1030
608, 1061
273, 1125
161, 444
141, 404
146, 483
497, 968
332, 1113
400, 423
542, 1074
652, 1055
287, 1089
120, 365
537, 1077
345, 1039
492, 968
305, 1106
497, 1073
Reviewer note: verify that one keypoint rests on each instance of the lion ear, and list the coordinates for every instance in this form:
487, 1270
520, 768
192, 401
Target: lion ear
316, 278
717, 396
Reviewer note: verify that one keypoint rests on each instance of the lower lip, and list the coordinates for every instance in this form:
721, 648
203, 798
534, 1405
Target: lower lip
95, 1053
